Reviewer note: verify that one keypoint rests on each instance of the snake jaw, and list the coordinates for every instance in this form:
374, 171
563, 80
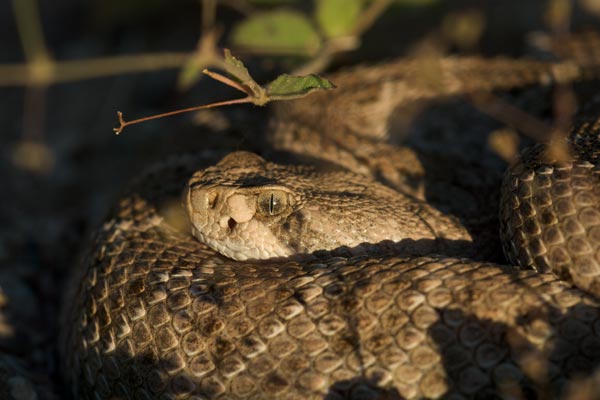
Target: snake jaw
235, 244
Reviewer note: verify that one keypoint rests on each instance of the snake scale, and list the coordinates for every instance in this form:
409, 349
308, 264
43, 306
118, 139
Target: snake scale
154, 313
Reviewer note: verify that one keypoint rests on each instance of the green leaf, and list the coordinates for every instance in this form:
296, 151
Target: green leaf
238, 71
338, 17
291, 87
277, 32
236, 68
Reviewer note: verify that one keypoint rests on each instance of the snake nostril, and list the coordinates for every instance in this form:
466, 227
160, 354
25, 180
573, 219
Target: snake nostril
231, 223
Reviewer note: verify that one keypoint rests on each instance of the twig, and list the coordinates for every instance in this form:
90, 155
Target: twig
91, 68
209, 14
40, 64
323, 59
123, 123
34, 113
368, 16
67, 71
30, 29
512, 116
227, 81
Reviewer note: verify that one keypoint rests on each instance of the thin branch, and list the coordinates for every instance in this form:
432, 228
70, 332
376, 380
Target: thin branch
227, 81
40, 67
91, 68
332, 47
123, 123
316, 64
67, 71
34, 113
27, 17
368, 16
206, 55
512, 116
15, 75
209, 15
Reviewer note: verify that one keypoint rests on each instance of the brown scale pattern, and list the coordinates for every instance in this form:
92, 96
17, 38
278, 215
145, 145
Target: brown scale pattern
155, 314
550, 215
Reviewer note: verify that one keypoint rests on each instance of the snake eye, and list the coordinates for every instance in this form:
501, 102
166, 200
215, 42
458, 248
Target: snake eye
272, 202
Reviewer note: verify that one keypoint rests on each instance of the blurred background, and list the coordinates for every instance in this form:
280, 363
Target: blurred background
67, 67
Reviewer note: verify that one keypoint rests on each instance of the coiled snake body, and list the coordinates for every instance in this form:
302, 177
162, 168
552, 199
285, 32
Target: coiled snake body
154, 313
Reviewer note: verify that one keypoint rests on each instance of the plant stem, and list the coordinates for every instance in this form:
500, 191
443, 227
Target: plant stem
123, 123
67, 71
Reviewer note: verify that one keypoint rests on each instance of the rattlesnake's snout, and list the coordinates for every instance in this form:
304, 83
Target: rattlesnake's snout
230, 219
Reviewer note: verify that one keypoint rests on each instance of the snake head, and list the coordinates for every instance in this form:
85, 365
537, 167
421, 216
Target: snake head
247, 208
234, 208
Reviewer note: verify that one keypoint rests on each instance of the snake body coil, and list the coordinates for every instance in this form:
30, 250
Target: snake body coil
154, 313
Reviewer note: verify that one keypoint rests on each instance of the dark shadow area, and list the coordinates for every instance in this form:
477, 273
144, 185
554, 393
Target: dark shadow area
464, 153
359, 388
488, 359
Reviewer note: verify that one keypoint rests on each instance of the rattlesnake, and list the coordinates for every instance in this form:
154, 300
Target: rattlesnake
153, 313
